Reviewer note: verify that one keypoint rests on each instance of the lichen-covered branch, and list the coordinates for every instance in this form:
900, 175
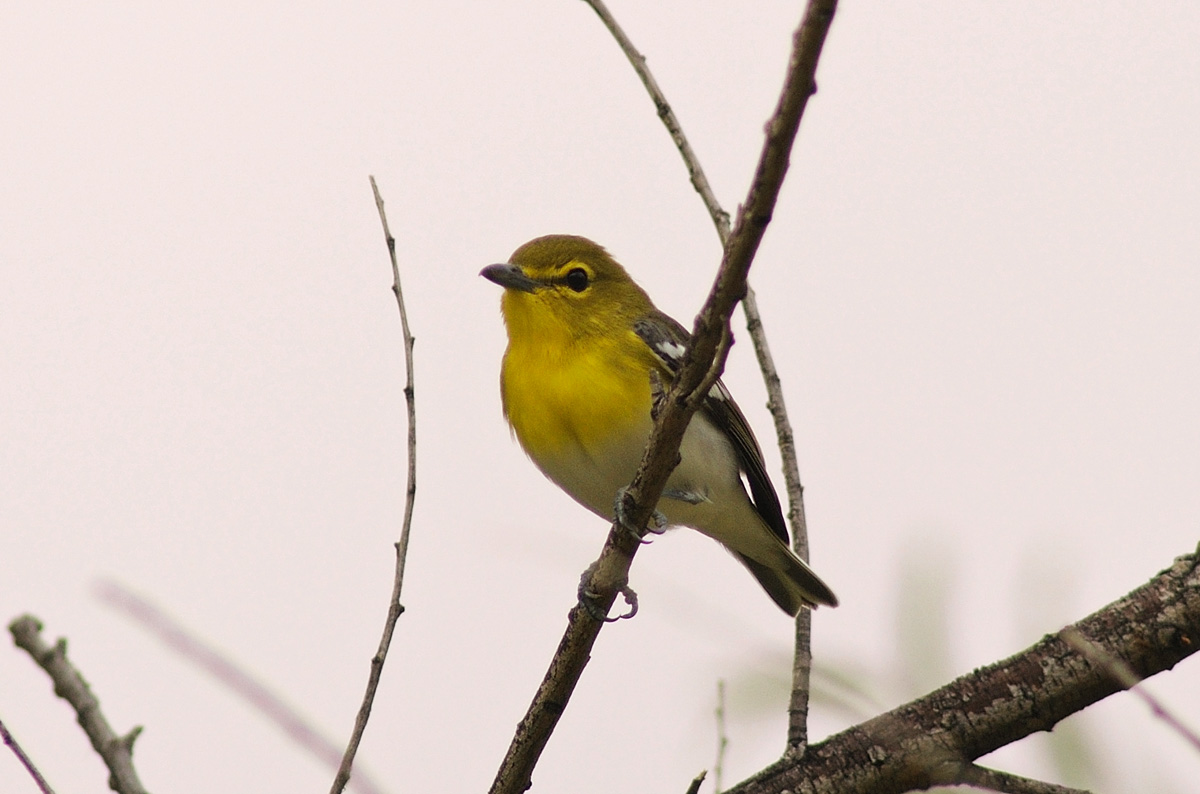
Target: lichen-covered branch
1150, 630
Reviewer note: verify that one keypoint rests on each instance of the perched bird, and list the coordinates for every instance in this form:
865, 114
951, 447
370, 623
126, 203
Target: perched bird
576, 385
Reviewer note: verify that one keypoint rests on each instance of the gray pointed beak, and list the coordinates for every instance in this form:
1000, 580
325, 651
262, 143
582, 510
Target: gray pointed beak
509, 277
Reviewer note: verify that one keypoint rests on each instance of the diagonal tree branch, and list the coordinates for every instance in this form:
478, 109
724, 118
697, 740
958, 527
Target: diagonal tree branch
703, 362
1151, 629
720, 217
116, 751
821, 15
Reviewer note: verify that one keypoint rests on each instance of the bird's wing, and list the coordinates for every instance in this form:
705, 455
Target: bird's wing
669, 340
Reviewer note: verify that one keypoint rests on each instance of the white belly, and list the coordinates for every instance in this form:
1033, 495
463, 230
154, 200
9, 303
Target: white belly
707, 473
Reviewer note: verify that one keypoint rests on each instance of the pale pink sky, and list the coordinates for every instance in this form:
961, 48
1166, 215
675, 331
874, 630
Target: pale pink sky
981, 287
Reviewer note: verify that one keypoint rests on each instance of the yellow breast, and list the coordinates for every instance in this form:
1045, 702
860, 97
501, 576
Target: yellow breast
565, 400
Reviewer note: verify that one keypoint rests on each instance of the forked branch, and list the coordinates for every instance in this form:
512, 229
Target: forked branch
702, 364
822, 14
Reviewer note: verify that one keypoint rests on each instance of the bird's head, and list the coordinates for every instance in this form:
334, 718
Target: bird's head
566, 285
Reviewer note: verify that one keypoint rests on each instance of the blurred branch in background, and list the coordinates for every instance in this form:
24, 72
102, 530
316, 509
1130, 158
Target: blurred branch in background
25, 760
1124, 675
116, 751
256, 693
817, 20
179, 639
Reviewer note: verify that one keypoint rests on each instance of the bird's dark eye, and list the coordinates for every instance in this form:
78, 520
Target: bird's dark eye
577, 279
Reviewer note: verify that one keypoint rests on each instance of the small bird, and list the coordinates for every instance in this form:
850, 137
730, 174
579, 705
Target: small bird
584, 345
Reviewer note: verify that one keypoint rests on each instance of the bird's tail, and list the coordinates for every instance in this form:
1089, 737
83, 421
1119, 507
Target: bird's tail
790, 583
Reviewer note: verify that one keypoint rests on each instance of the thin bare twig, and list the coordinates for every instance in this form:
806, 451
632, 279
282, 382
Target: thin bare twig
223, 670
25, 760
610, 571
394, 606
802, 664
797, 733
1123, 674
719, 216
116, 751
694, 786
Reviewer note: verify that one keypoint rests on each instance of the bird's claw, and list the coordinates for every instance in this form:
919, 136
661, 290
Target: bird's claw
657, 525
588, 599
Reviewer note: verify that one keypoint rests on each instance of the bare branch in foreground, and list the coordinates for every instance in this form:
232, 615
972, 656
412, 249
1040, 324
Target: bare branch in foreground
709, 334
694, 786
1152, 629
25, 760
223, 670
394, 606
802, 661
1005, 782
1123, 675
116, 751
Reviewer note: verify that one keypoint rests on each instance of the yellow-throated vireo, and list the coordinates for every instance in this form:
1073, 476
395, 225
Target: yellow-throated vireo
583, 340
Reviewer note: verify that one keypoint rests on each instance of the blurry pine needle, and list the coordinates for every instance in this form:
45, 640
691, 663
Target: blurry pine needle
1044, 589
722, 739
922, 619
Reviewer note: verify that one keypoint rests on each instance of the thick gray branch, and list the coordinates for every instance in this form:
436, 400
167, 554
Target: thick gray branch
1152, 629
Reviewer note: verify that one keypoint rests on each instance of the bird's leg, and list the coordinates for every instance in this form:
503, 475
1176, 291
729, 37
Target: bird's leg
680, 495
588, 599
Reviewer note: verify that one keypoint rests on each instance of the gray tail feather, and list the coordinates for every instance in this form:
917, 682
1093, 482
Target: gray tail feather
792, 589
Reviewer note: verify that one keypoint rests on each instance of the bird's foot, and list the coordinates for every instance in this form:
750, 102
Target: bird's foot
589, 599
657, 525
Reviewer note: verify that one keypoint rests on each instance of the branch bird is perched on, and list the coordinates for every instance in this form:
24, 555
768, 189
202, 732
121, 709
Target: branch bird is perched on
584, 344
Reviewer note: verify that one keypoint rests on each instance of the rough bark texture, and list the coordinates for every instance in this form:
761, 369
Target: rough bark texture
1152, 629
